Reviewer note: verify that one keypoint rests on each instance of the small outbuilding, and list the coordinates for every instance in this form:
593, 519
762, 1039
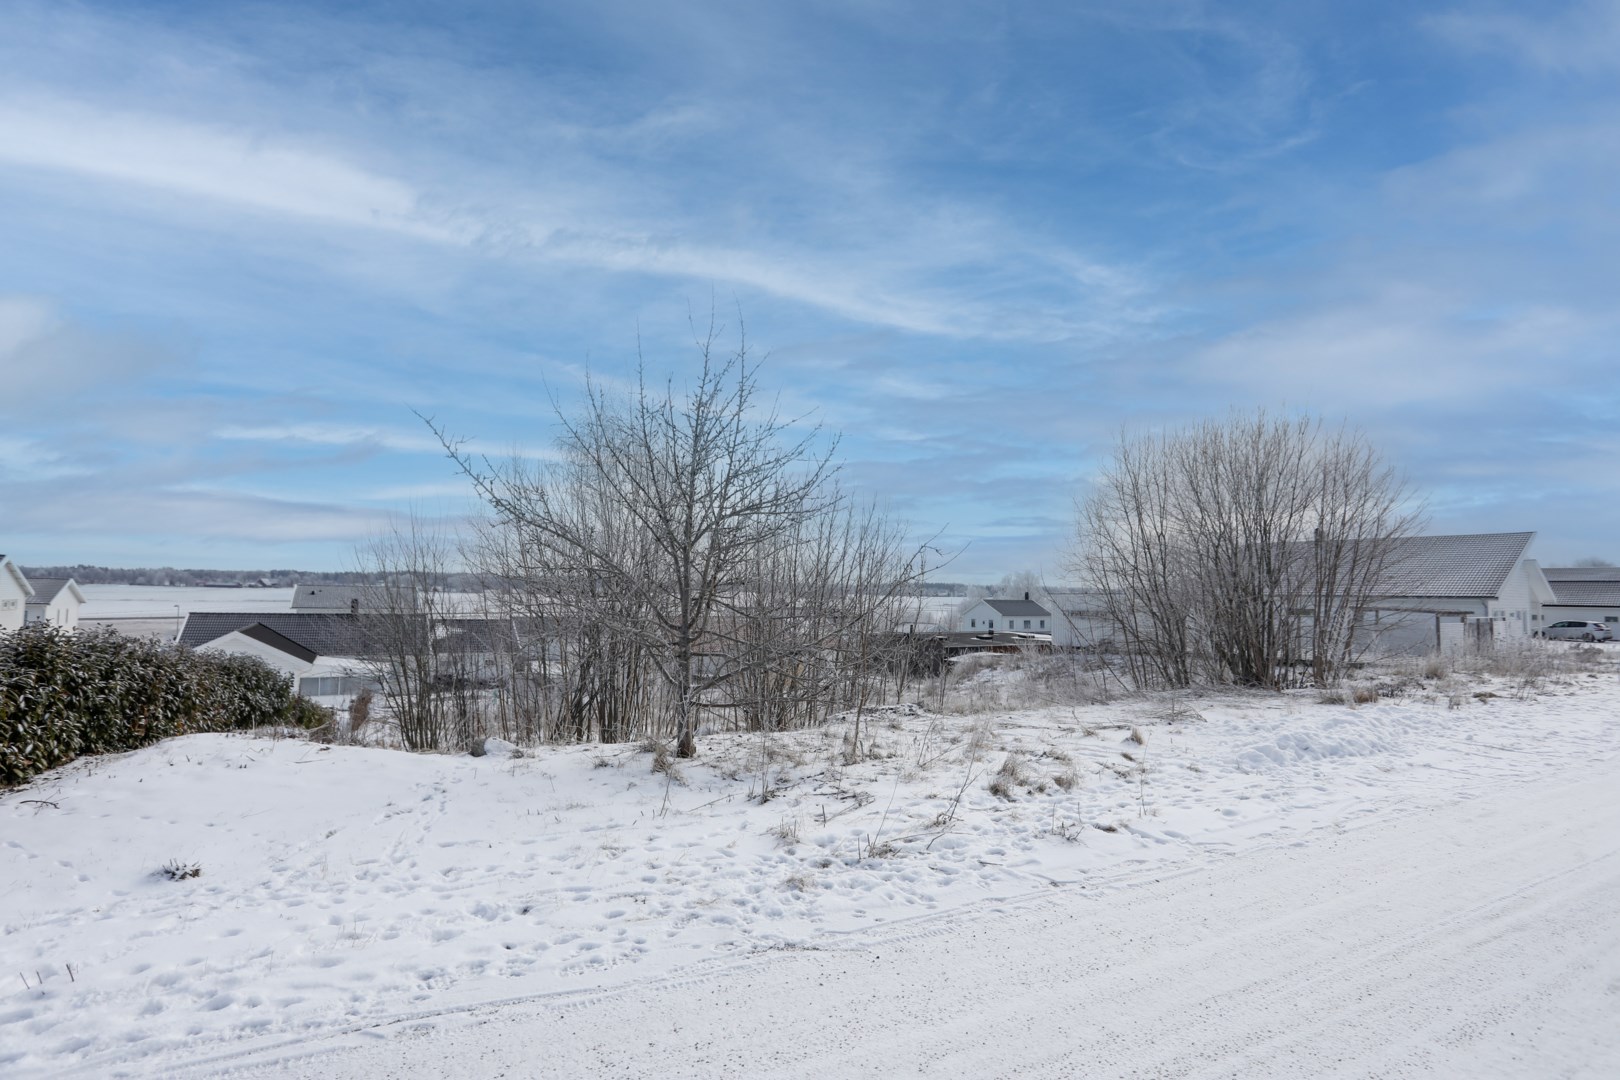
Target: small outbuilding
1583, 592
55, 601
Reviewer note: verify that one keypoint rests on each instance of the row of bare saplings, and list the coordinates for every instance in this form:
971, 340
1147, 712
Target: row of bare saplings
683, 562
808, 633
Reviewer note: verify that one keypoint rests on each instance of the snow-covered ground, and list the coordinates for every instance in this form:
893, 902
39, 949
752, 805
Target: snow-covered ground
346, 890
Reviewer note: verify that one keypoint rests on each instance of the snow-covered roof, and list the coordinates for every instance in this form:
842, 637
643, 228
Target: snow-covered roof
350, 599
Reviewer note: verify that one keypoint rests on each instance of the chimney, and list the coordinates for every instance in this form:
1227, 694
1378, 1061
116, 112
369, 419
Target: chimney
1026, 596
354, 606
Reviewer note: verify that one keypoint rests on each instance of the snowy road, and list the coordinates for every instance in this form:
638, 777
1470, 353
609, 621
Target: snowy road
1479, 939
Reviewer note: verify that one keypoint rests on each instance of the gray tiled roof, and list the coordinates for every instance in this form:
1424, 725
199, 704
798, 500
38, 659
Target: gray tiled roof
341, 599
45, 589
1475, 564
262, 633
1582, 573
1587, 593
324, 635
1010, 608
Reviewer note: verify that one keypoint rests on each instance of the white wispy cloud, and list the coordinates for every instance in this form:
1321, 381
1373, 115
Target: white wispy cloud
255, 170
1581, 37
332, 435
1404, 348
374, 437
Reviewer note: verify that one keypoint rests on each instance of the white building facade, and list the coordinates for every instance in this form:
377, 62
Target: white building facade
995, 615
55, 601
15, 592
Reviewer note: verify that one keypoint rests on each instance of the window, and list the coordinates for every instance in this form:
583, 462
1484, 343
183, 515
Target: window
1611, 618
973, 624
1043, 624
1026, 624
991, 623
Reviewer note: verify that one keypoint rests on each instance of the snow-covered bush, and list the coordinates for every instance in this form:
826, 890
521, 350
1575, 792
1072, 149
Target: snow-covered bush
98, 691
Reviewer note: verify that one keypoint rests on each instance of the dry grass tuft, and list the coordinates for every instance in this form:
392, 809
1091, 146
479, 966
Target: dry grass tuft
1007, 779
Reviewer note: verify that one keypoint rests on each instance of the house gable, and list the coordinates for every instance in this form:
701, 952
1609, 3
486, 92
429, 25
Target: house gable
15, 591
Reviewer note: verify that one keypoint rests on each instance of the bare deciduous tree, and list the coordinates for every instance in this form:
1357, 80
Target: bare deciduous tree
395, 630
695, 535
1235, 549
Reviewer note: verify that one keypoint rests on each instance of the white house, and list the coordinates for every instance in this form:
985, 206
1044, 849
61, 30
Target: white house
55, 601
15, 592
1583, 592
1006, 616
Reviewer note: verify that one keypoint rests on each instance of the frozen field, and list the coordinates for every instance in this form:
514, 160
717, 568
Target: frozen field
160, 601
1243, 885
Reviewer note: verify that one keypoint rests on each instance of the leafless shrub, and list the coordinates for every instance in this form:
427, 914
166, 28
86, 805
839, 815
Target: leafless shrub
692, 559
1233, 550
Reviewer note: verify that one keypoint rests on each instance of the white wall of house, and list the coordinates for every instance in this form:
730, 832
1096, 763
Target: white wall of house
981, 618
1078, 627
14, 592
1517, 609
62, 610
237, 643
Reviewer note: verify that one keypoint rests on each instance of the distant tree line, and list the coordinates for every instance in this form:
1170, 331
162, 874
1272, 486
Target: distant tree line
86, 574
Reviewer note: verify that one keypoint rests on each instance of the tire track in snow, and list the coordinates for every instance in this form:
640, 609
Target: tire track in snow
1478, 938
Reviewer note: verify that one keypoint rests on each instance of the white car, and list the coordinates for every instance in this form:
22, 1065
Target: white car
1580, 631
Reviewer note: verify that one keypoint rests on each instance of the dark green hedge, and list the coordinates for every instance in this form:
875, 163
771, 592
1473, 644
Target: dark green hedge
98, 691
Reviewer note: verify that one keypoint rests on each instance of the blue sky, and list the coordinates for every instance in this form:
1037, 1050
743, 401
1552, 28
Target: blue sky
245, 244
